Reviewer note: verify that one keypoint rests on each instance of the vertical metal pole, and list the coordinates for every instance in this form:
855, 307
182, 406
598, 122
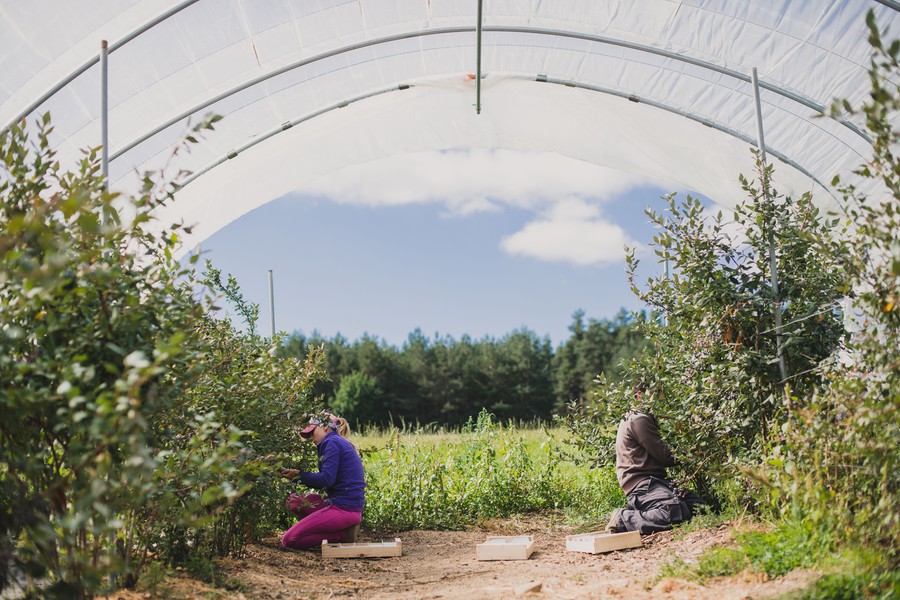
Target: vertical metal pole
773, 263
104, 167
272, 301
104, 110
478, 61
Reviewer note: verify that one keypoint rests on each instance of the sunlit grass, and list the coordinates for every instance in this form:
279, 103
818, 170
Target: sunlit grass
436, 478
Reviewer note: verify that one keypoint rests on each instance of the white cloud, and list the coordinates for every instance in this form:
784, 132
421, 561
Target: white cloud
572, 231
573, 209
579, 242
468, 181
565, 195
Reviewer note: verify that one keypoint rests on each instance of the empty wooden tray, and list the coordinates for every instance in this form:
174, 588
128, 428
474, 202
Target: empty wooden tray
362, 549
516, 547
601, 541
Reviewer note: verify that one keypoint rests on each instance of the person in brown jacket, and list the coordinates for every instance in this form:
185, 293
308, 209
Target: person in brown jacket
654, 503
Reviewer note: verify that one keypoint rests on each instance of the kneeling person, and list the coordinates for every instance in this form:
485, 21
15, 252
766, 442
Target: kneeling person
653, 502
336, 516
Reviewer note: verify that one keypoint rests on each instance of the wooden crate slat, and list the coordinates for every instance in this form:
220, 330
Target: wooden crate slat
601, 541
362, 549
500, 547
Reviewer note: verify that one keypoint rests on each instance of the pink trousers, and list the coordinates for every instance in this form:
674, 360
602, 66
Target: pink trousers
318, 522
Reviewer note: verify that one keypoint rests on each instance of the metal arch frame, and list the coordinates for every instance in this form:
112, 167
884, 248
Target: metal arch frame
93, 61
497, 29
693, 117
540, 78
890, 4
284, 127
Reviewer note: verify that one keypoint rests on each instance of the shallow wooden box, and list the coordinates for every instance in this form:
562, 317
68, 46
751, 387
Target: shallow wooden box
362, 549
601, 541
500, 547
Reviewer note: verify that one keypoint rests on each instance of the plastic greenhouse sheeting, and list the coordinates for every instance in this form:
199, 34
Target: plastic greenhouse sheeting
307, 87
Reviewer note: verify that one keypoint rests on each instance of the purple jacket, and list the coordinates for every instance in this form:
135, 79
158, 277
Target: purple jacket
340, 473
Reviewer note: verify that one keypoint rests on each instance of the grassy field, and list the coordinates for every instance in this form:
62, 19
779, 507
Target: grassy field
427, 478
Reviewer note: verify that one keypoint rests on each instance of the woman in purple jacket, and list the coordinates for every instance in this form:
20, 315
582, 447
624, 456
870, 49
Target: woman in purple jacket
336, 516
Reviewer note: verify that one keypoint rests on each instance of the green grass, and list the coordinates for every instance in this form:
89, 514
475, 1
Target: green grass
437, 478
882, 585
714, 562
854, 572
455, 479
790, 545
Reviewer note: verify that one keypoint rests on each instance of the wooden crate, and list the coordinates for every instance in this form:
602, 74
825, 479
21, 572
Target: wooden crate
516, 547
601, 541
362, 549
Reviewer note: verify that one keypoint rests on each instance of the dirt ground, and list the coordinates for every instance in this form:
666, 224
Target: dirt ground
441, 564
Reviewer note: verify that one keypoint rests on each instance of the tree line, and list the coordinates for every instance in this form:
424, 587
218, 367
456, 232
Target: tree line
443, 380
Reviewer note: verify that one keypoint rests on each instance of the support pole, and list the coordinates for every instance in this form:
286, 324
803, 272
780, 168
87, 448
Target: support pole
104, 110
272, 301
773, 263
478, 61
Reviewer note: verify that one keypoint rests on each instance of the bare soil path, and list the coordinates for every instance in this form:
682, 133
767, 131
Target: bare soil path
442, 564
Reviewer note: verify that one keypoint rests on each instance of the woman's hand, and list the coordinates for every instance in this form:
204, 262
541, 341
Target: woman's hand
288, 473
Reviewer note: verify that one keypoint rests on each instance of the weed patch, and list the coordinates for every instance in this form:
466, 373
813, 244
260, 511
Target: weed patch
852, 586
207, 571
154, 581
790, 546
715, 562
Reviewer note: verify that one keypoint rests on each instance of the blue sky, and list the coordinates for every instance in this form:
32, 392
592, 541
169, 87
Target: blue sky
476, 243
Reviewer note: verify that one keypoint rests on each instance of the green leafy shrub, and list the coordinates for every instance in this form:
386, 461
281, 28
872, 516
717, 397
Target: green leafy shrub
821, 449
841, 462
133, 422
711, 364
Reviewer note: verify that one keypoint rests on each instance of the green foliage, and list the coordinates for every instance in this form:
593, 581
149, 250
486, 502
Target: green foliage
822, 447
791, 545
358, 396
841, 463
710, 368
600, 347
882, 585
443, 380
489, 471
232, 291
133, 422
154, 581
207, 571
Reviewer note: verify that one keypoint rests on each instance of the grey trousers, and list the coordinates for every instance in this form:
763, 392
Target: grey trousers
656, 505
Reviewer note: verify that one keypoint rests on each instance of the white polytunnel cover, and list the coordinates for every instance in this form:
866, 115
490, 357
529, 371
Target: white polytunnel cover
660, 88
